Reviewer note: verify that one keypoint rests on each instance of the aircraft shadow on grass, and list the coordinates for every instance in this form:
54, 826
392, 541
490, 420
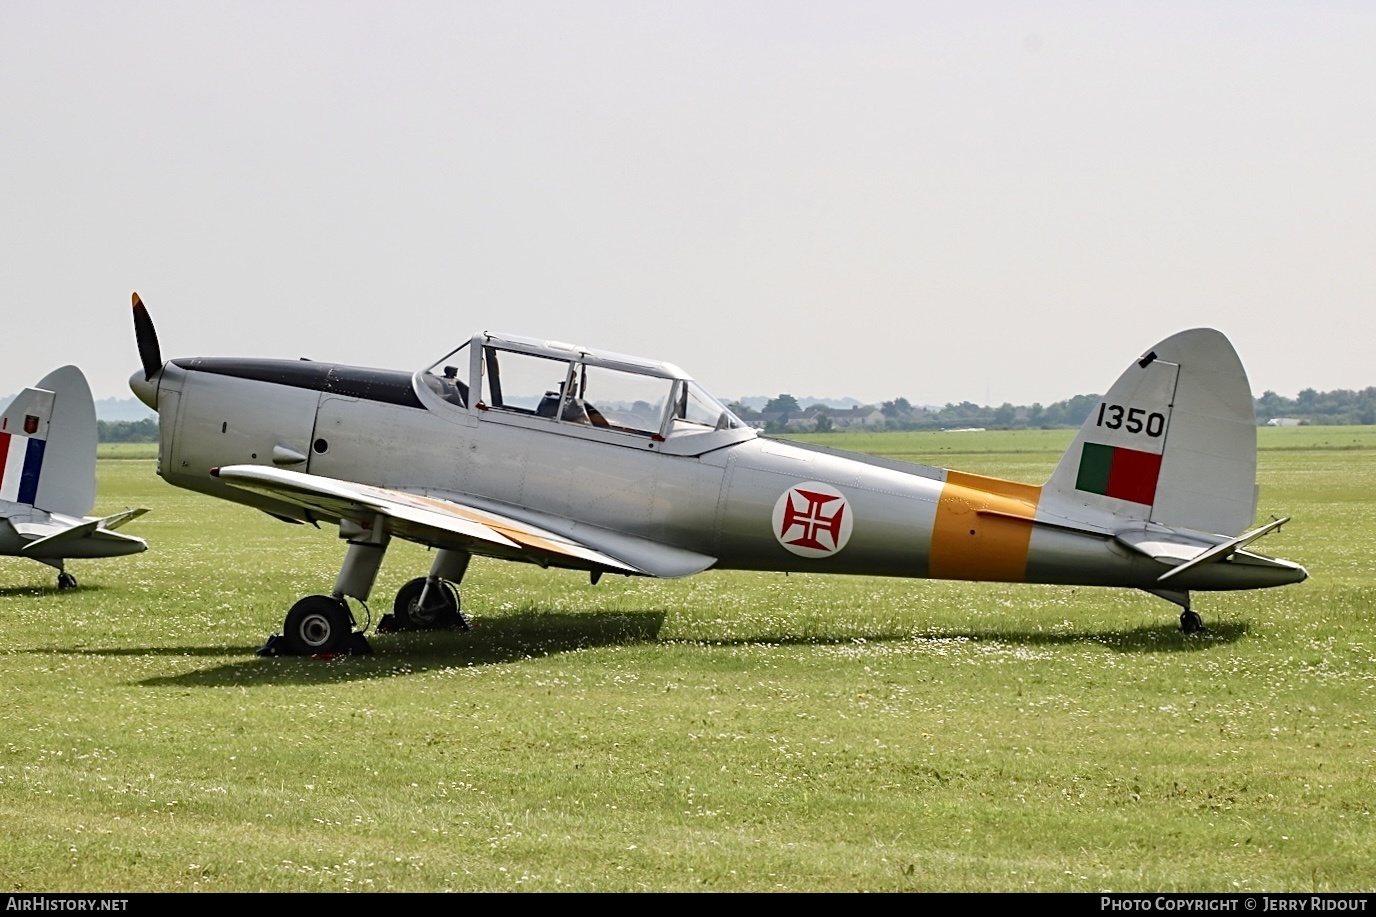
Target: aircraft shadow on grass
1144, 639
62, 593
506, 639
527, 635
34, 591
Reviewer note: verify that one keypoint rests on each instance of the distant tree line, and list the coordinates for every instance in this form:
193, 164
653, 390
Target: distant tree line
1068, 413
1340, 407
127, 431
784, 414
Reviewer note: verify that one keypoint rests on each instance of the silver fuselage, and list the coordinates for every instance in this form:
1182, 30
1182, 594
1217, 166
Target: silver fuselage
718, 496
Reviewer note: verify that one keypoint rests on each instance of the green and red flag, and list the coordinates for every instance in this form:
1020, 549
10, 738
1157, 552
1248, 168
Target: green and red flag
1124, 474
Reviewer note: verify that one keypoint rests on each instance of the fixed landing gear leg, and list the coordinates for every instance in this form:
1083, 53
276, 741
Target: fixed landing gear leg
323, 625
359, 571
1190, 622
64, 579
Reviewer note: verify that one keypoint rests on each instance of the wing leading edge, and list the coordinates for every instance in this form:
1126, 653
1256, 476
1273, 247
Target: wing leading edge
447, 523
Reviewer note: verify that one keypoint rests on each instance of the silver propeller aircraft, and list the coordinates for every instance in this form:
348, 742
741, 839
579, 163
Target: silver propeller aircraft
565, 456
48, 478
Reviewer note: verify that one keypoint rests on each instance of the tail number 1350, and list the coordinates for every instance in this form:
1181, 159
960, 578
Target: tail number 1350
1134, 420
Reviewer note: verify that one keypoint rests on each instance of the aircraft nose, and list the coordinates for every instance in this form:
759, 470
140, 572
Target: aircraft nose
146, 390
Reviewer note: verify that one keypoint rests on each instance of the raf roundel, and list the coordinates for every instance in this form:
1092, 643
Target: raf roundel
812, 519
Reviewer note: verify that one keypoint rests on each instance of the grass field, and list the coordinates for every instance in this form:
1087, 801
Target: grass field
728, 732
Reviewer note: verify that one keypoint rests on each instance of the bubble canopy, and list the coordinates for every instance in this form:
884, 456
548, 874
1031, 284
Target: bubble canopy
573, 388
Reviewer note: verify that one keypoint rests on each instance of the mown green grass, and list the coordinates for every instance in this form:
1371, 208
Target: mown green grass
728, 732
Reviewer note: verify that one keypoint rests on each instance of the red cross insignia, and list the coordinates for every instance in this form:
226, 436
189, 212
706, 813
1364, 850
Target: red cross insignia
812, 519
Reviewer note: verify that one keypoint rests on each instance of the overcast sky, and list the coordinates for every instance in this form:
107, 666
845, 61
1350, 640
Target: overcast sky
944, 201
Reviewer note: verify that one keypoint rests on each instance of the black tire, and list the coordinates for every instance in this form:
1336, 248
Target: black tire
66, 581
407, 613
317, 625
1191, 622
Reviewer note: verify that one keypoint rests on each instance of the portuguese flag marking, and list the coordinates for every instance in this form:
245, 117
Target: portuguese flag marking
1124, 474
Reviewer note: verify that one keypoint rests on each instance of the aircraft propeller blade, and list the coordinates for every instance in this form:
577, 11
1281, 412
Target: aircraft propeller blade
147, 339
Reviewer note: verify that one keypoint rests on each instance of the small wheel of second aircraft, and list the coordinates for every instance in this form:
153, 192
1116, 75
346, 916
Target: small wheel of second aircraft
442, 613
317, 624
1191, 622
66, 581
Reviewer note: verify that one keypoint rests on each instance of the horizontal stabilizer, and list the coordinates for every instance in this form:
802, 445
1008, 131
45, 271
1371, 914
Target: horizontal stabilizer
55, 536
1222, 551
84, 539
115, 520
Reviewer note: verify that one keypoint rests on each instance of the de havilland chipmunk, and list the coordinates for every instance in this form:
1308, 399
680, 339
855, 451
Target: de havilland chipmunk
48, 478
566, 456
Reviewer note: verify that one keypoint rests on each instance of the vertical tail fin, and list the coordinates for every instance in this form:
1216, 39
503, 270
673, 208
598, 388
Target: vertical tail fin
48, 445
1173, 442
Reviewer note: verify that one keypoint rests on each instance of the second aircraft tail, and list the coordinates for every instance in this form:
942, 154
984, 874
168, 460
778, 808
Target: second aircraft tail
48, 445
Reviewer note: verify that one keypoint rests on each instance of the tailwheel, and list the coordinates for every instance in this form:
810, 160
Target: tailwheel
1191, 622
317, 625
66, 581
440, 611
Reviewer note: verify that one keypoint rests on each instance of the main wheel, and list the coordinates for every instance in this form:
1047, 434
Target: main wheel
443, 610
1191, 622
66, 581
317, 624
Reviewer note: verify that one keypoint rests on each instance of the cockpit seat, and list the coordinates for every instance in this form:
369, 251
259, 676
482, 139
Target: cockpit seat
549, 405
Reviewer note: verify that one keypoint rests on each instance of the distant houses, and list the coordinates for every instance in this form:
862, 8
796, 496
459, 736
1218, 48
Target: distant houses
817, 418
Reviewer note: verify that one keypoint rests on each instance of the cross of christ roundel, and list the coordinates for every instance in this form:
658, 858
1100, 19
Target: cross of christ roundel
812, 519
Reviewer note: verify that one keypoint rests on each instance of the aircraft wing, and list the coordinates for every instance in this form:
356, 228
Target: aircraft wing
448, 523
